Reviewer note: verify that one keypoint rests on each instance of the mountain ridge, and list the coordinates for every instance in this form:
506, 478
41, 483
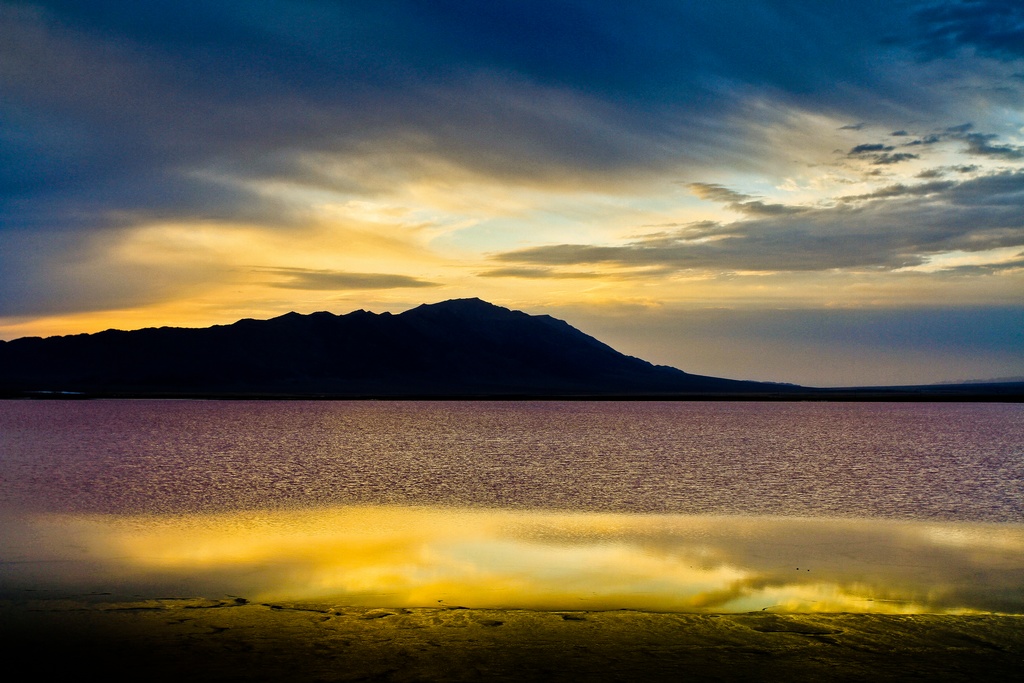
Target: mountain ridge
458, 347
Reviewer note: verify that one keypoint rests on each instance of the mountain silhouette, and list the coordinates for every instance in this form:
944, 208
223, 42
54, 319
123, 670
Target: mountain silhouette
456, 348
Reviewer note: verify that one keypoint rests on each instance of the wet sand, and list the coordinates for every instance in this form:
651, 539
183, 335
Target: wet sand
236, 640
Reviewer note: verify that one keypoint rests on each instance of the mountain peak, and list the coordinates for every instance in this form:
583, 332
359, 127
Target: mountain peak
469, 303
474, 307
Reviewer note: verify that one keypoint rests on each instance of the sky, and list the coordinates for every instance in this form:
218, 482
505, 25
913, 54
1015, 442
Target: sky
820, 192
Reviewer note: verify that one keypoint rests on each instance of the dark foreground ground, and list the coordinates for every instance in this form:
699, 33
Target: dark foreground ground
232, 640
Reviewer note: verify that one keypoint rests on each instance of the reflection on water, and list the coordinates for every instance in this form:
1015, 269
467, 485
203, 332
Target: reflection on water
412, 556
684, 506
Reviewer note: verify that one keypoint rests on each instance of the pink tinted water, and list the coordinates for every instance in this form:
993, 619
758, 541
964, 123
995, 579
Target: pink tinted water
902, 461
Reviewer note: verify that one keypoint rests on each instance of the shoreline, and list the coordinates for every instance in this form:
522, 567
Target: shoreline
931, 394
234, 639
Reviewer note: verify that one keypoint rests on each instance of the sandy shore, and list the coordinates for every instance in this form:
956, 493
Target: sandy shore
235, 640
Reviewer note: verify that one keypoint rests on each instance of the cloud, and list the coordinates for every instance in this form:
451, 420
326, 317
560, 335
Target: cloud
986, 268
717, 193
886, 159
880, 154
69, 271
930, 139
539, 274
741, 202
992, 27
131, 110
981, 144
901, 190
943, 170
311, 279
864, 149
889, 229
119, 113
977, 144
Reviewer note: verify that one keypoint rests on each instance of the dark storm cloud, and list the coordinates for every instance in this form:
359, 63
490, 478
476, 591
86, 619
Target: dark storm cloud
116, 112
992, 27
893, 228
314, 279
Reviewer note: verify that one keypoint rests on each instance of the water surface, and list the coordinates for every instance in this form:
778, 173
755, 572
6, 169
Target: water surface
962, 462
904, 508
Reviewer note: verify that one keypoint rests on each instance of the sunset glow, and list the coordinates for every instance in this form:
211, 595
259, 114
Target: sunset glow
665, 177
426, 557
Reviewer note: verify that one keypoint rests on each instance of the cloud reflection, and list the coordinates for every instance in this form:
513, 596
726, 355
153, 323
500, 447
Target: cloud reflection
391, 556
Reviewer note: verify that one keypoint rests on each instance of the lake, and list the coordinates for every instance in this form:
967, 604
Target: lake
670, 506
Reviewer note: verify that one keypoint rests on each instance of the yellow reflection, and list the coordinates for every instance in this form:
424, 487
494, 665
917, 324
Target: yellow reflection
389, 556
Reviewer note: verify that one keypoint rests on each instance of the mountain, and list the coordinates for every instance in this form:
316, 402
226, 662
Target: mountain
462, 347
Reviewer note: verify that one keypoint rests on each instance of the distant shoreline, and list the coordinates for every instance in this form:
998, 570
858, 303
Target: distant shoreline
1000, 393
